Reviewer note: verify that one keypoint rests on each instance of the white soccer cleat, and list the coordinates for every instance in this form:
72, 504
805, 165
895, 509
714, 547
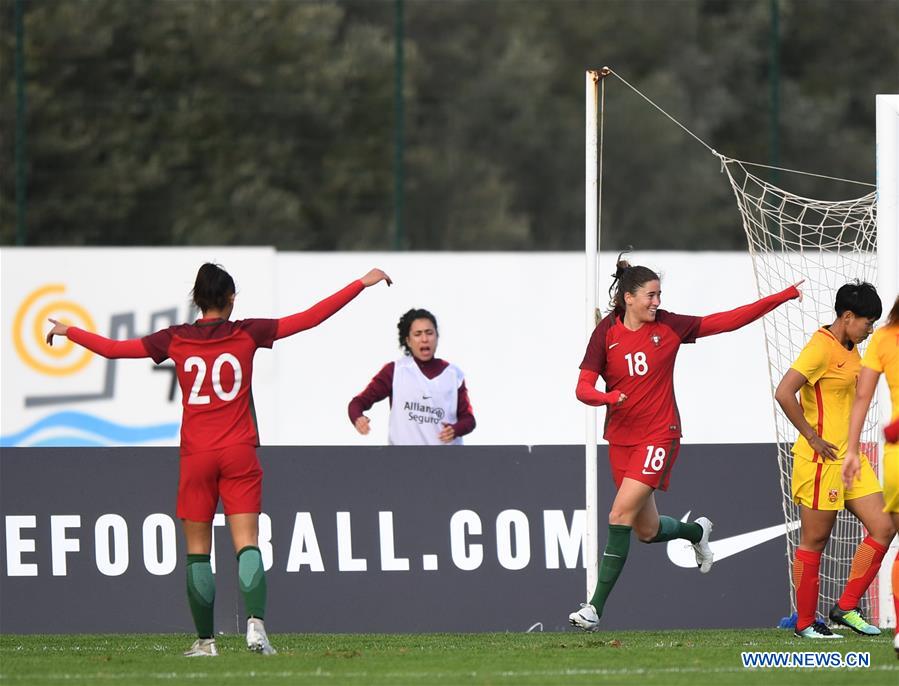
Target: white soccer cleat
704, 555
585, 618
257, 639
816, 630
202, 647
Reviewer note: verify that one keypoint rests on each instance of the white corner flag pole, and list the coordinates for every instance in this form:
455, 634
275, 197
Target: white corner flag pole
591, 252
887, 282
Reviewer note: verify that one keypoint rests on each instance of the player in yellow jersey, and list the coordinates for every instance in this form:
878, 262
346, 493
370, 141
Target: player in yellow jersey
881, 357
825, 375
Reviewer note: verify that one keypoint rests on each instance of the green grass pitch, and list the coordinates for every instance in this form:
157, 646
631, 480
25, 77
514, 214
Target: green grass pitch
606, 657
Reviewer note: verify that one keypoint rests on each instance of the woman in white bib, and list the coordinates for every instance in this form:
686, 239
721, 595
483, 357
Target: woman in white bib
428, 399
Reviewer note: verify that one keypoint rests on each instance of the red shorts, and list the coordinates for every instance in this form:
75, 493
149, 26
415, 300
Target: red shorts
650, 462
232, 473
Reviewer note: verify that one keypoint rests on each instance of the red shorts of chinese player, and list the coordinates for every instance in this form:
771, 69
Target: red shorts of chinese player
649, 463
232, 473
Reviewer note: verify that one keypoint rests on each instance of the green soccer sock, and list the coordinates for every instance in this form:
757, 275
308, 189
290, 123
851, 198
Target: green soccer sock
613, 559
251, 576
201, 593
671, 528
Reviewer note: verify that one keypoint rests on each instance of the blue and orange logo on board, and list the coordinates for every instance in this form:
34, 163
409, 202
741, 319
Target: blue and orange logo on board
69, 426
30, 327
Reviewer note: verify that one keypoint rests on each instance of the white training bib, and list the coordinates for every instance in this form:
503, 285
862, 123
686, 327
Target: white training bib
421, 405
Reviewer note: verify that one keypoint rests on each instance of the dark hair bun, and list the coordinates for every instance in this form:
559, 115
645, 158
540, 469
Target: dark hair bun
621, 267
213, 287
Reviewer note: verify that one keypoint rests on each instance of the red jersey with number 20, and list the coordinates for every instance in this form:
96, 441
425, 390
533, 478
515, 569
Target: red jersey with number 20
214, 364
640, 364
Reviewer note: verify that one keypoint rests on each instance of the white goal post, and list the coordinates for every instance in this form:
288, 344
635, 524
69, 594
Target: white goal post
591, 252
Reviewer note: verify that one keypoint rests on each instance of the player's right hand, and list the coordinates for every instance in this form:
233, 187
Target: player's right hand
59, 329
797, 285
374, 276
361, 425
825, 449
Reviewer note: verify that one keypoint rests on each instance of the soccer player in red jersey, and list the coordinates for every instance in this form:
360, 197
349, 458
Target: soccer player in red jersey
825, 376
214, 364
429, 402
633, 349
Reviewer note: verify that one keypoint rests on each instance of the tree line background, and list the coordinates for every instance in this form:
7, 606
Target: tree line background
157, 122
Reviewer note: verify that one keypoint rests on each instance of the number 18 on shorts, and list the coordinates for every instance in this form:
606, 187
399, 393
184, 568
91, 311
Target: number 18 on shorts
650, 462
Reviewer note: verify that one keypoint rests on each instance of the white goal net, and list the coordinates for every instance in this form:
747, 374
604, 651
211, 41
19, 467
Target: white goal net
827, 243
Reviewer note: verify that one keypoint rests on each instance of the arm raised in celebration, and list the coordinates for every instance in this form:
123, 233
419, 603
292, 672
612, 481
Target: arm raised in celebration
731, 320
315, 315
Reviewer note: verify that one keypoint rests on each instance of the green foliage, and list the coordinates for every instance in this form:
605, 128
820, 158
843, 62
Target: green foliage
666, 658
241, 123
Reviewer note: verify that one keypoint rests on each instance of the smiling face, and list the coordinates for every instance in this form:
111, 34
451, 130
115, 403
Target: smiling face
642, 304
422, 339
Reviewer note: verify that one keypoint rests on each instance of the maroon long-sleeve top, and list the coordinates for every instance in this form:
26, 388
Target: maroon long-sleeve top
381, 386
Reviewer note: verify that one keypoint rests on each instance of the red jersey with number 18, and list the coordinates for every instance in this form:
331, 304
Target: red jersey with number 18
640, 364
214, 364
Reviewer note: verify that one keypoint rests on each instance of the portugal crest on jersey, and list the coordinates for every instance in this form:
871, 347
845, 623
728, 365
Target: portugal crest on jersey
656, 339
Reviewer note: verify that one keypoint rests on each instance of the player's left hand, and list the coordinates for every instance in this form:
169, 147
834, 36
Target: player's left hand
59, 329
851, 469
447, 433
797, 285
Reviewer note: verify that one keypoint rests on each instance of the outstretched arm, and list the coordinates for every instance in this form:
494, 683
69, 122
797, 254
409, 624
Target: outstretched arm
732, 320
315, 315
864, 392
586, 391
133, 347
